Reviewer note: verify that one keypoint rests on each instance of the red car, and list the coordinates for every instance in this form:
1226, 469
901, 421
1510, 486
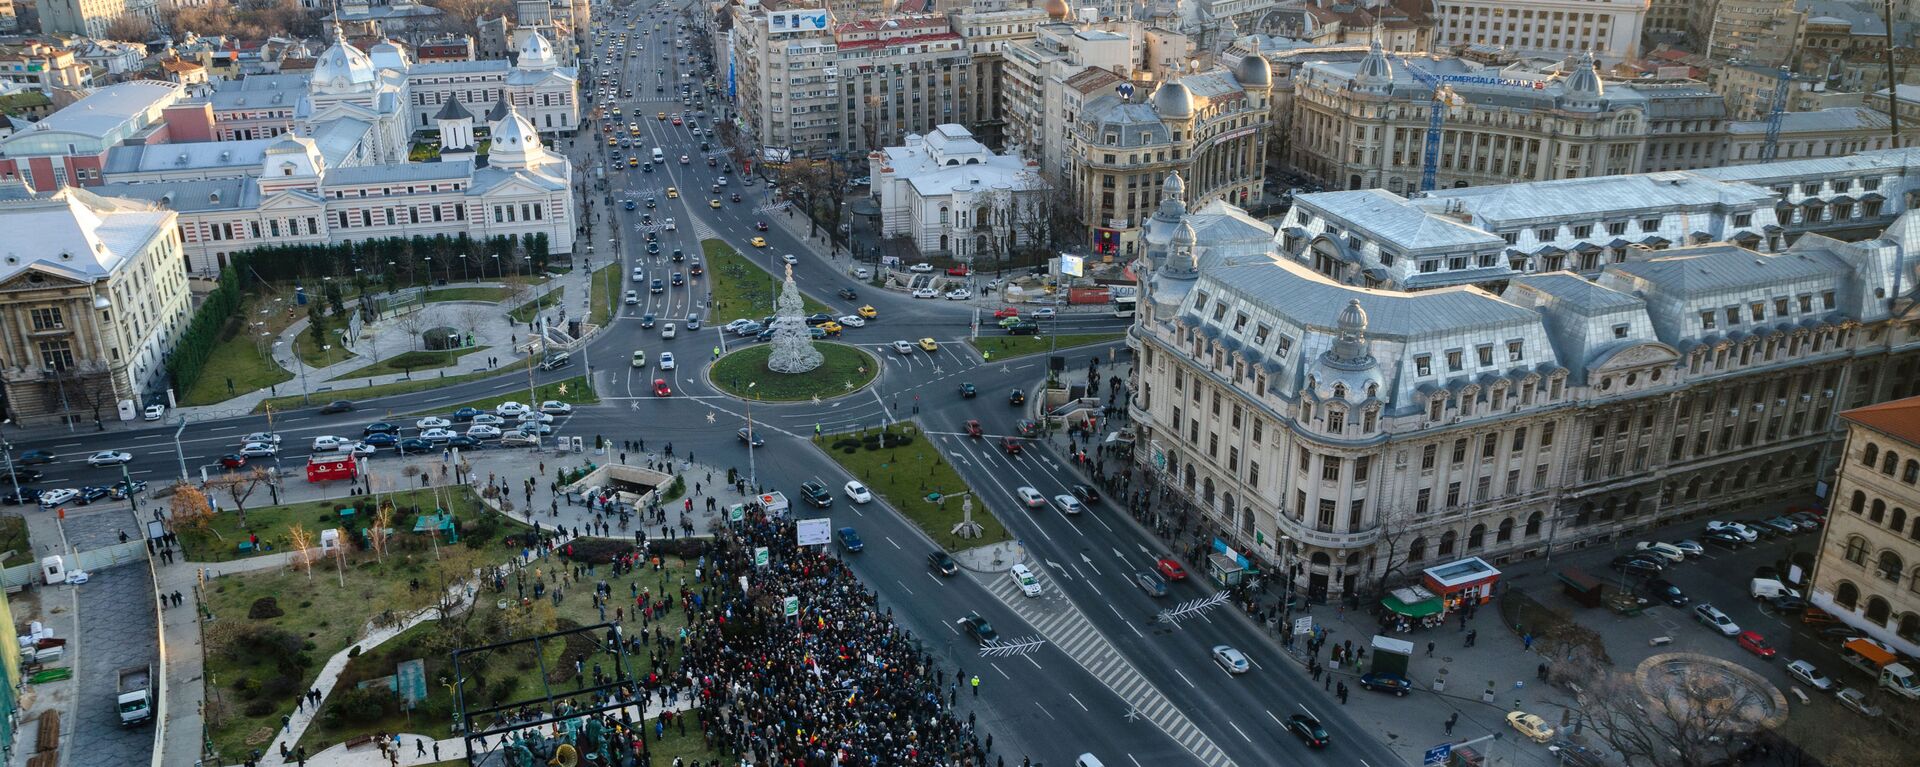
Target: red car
660, 388
957, 271
1752, 642
760, 226
1011, 445
1005, 312
676, 121
232, 461
1170, 569
973, 428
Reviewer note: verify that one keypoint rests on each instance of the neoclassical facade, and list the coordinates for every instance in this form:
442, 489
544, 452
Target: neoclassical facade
1868, 569
1378, 430
951, 195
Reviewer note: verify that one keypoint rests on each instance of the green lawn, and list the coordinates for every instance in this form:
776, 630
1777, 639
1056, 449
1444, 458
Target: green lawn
740, 288
409, 361
311, 351
573, 391
237, 359
361, 393
904, 475
524, 312
490, 295
1007, 347
606, 294
13, 540
845, 369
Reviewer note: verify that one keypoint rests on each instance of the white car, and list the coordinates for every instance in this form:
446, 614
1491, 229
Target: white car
437, 435
903, 347
1809, 676
852, 321
788, 258
359, 448
432, 422
109, 458
926, 293
1716, 620
261, 436
666, 360
959, 294
1856, 701
509, 409
1736, 528
483, 432
259, 449
1041, 314
858, 493
1669, 551
52, 498
633, 297
531, 417
1234, 661
670, 224
920, 267
735, 326
154, 412
322, 444
1031, 497
1068, 504
861, 273
556, 407
487, 419
1023, 577
639, 274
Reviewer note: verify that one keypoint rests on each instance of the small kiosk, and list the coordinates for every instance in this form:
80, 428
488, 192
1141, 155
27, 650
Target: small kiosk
1461, 583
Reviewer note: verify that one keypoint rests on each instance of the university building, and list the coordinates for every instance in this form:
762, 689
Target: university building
1867, 572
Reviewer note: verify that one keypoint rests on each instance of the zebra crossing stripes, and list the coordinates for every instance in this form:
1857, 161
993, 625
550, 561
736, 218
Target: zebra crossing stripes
1061, 622
701, 231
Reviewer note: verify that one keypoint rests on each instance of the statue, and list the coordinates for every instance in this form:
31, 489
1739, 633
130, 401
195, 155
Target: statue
793, 350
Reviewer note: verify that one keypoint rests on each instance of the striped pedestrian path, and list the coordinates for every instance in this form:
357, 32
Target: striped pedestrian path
1062, 623
702, 230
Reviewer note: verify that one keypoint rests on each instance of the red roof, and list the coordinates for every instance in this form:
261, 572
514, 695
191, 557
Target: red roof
1899, 418
883, 42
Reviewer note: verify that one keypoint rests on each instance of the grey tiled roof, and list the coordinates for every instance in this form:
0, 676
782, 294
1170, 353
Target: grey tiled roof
1398, 222
1618, 195
1576, 293
407, 173
1309, 298
1711, 269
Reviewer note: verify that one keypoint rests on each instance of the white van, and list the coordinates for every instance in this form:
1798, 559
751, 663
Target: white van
639, 358
1087, 760
659, 156
1768, 588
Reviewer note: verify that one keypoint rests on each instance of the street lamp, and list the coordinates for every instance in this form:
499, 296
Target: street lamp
11, 475
453, 340
303, 371
496, 268
465, 276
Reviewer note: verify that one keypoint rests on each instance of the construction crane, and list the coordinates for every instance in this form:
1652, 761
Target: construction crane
1771, 146
1437, 110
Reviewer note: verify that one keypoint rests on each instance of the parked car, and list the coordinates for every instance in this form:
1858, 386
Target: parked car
1712, 618
1805, 673
1856, 701
1668, 551
91, 493
1666, 592
58, 496
1531, 726
1734, 528
432, 422
1386, 681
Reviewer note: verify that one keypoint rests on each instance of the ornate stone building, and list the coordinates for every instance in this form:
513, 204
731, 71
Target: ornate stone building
1362, 432
1869, 559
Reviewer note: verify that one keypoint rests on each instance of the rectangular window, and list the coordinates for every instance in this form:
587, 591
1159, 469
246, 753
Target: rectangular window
1515, 351
1428, 455
1306, 459
1423, 501
48, 319
1488, 444
1454, 361
1546, 434
1707, 320
1453, 494
1330, 468
1485, 353
1336, 421
1423, 365
1327, 507
1480, 489
1362, 468
1459, 450
1259, 430
1513, 481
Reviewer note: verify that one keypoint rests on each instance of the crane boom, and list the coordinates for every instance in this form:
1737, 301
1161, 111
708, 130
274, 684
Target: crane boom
1437, 111
1771, 146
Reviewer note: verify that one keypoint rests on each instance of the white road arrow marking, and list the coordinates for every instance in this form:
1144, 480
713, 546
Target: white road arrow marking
1089, 561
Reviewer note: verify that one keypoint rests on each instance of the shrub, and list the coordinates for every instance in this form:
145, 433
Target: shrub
257, 709
279, 687
247, 688
361, 705
264, 608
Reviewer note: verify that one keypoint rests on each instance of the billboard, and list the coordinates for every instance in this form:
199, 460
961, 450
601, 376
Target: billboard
798, 21
1072, 266
813, 532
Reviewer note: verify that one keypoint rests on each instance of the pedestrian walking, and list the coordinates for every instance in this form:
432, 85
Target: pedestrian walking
1451, 719
1429, 649
976, 685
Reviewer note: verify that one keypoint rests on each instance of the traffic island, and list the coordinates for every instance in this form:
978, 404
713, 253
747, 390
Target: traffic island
904, 468
744, 374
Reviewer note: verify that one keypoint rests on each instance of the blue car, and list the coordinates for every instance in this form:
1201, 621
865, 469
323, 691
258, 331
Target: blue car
850, 540
381, 440
631, 205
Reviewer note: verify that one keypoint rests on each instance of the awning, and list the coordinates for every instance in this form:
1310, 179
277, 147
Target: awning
1587, 247
1420, 609
1841, 199
1872, 197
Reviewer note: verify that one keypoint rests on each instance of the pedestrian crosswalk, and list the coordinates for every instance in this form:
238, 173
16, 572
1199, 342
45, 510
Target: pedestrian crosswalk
1061, 622
702, 231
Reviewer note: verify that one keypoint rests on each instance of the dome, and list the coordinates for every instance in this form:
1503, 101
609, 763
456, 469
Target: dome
1353, 319
1173, 100
536, 52
1584, 80
1184, 234
342, 66
1375, 67
1254, 71
515, 143
1350, 347
1174, 188
1058, 10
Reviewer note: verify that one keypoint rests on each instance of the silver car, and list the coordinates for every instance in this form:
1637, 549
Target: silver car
1233, 661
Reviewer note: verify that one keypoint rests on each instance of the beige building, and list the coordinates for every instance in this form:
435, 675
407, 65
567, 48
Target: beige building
1835, 132
900, 75
93, 296
1759, 32
1868, 570
90, 18
987, 27
1666, 17
1608, 29
1034, 91
787, 78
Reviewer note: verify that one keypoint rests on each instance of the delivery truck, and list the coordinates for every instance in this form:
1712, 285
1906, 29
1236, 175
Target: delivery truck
136, 695
1883, 665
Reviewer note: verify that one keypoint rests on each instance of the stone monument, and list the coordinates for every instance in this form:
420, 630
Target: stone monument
793, 350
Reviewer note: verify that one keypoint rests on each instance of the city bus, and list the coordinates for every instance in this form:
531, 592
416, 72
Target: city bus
1123, 306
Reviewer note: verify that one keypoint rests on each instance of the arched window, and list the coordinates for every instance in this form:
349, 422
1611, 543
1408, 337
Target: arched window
1586, 513
1890, 566
1846, 595
1890, 463
1476, 537
1910, 627
1859, 502
1206, 492
1857, 550
1320, 559
1878, 610
1879, 511
1340, 391
1533, 524
1246, 521
1693, 488
1911, 474
1899, 519
1506, 531
1446, 543
1417, 550
1871, 455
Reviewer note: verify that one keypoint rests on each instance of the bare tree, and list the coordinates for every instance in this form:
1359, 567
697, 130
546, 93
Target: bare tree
1686, 717
1387, 551
302, 541
382, 519
412, 322
240, 486
464, 15
130, 27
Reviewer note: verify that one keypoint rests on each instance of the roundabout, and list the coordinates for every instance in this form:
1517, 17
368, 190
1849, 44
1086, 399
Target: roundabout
843, 370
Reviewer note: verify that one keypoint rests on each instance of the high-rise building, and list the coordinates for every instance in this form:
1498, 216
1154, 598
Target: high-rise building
987, 27
900, 75
91, 18
785, 78
1869, 553
1757, 32
1036, 87
1608, 29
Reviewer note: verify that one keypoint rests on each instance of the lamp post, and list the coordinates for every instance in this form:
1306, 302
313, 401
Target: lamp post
303, 373
496, 268
465, 275
429, 260
11, 474
453, 341
1286, 597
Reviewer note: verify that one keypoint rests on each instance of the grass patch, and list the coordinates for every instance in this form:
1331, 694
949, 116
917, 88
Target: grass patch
573, 391
363, 393
1556, 634
845, 369
309, 347
903, 475
490, 295
406, 362
218, 539
1007, 347
524, 312
13, 540
741, 288
606, 294
237, 359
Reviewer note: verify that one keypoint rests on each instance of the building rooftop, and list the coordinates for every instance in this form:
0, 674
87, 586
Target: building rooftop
1718, 268
1516, 204
108, 111
72, 232
1398, 222
1899, 418
1818, 121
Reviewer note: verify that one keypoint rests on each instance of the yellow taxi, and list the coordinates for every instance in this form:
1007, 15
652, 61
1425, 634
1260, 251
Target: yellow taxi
611, 141
759, 242
633, 162
868, 312
662, 116
929, 345
832, 328
713, 204
673, 193
633, 128
616, 111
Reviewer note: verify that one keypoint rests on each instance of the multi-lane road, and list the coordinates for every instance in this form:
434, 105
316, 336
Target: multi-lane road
1106, 677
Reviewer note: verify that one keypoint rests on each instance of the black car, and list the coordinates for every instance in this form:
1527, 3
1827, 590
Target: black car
465, 414
1666, 592
646, 320
979, 628
942, 563
750, 438
380, 427
462, 440
1085, 493
1023, 329
17, 474
381, 440
415, 445
24, 495
967, 391
1632, 564
32, 457
1384, 681
1723, 539
1308, 730
1016, 398
816, 494
847, 293
1787, 603
92, 493
818, 319
336, 406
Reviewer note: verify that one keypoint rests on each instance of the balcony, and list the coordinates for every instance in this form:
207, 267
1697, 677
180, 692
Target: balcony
1312, 536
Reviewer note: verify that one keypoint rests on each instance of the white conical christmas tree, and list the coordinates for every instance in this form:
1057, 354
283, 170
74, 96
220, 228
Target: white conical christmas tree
793, 350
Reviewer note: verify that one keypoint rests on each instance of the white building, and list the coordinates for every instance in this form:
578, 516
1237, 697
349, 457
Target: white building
92, 299
950, 194
1609, 29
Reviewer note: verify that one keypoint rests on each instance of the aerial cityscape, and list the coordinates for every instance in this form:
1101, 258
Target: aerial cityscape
979, 383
